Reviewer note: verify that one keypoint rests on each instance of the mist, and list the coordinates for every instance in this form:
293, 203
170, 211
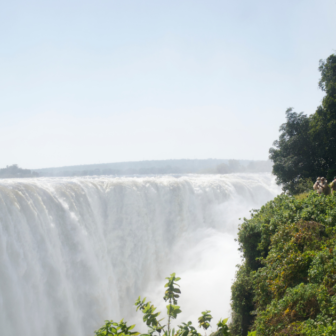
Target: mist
78, 251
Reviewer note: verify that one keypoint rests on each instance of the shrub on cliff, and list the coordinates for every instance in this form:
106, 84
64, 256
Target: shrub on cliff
287, 283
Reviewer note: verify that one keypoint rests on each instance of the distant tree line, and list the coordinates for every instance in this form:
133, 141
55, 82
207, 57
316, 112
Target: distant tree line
211, 166
111, 171
14, 171
179, 166
306, 147
233, 166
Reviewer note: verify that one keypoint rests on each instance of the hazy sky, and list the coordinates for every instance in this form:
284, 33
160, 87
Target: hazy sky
106, 80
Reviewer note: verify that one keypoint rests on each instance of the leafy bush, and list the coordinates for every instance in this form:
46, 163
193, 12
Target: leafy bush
150, 317
242, 301
287, 284
298, 186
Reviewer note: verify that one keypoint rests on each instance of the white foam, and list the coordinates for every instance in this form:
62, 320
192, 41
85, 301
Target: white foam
77, 251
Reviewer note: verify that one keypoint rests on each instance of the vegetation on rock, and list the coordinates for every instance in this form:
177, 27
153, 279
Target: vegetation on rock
287, 283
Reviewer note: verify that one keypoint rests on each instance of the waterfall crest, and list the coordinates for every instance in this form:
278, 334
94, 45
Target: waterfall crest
77, 251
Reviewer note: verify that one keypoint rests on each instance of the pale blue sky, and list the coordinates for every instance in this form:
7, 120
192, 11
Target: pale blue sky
105, 81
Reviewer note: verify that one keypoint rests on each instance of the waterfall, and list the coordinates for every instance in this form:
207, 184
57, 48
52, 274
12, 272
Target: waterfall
77, 251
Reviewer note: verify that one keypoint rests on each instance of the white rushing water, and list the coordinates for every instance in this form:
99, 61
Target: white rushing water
77, 251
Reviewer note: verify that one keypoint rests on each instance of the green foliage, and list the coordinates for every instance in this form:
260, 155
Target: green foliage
290, 287
205, 319
223, 329
186, 329
172, 293
292, 153
306, 147
126, 330
170, 332
150, 317
298, 186
323, 125
325, 326
242, 301
173, 311
116, 329
301, 196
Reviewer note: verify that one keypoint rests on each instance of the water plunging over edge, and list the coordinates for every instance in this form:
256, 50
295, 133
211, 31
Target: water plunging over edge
77, 251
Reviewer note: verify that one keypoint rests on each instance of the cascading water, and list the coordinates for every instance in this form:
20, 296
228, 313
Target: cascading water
77, 251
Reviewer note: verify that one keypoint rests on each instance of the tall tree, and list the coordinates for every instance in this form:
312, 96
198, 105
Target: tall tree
307, 145
292, 153
323, 122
